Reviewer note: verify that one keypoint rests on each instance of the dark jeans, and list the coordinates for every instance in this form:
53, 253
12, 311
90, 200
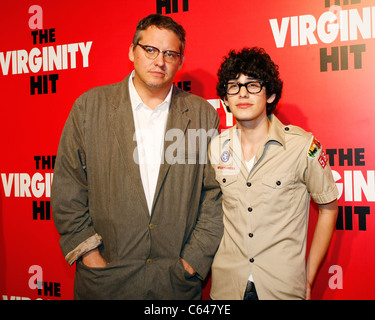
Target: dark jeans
250, 292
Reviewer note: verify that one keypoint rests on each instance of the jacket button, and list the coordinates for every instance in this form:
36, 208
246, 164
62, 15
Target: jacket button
151, 226
278, 183
249, 209
251, 235
251, 260
224, 180
149, 261
248, 184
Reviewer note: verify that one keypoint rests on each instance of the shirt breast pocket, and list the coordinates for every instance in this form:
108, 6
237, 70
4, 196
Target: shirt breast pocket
229, 189
278, 181
226, 180
278, 191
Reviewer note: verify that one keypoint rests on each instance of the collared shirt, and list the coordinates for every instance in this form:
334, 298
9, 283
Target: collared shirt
149, 134
266, 211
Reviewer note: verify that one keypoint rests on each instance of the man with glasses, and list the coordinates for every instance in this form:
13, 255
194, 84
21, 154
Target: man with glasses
267, 172
139, 224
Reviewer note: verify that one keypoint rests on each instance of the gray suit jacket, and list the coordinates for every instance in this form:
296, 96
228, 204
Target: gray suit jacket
97, 189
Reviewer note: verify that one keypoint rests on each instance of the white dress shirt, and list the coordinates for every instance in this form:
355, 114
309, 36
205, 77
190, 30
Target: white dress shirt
149, 134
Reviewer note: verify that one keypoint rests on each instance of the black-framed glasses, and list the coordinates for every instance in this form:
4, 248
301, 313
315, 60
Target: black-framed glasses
152, 52
252, 87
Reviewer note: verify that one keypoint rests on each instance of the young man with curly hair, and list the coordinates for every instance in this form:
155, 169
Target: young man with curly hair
267, 172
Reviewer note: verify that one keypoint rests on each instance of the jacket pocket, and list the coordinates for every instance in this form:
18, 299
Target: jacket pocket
185, 285
96, 283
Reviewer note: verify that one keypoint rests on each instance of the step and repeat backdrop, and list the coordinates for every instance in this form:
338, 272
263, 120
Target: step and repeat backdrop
53, 51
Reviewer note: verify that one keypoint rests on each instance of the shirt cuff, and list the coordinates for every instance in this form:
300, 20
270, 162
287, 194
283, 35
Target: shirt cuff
84, 247
327, 197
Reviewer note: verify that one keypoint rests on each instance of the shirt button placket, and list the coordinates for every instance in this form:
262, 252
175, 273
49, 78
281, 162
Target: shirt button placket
250, 209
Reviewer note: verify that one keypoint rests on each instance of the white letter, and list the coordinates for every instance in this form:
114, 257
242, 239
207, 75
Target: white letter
348, 185
307, 24
37, 191
294, 31
360, 185
279, 34
54, 58
16, 184
344, 25
65, 56
364, 26
72, 49
14, 62
5, 62
327, 18
85, 52
45, 58
24, 185
22, 58
48, 183
35, 63
7, 184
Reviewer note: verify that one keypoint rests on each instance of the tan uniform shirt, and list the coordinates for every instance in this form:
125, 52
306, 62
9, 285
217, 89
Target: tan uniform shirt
266, 211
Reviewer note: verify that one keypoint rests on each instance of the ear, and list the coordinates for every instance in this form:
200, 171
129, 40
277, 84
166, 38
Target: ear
271, 98
226, 103
131, 52
181, 62
225, 100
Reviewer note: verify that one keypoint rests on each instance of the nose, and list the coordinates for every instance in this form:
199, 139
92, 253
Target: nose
243, 92
159, 60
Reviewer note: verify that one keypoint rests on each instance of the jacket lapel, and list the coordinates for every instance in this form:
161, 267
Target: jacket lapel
124, 129
177, 124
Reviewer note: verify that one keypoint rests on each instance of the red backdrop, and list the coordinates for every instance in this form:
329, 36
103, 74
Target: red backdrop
52, 53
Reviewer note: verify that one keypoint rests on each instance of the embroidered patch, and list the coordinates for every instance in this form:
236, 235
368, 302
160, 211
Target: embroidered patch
314, 149
323, 159
225, 168
225, 156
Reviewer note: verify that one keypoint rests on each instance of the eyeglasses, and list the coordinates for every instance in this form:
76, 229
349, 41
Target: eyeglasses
152, 52
252, 87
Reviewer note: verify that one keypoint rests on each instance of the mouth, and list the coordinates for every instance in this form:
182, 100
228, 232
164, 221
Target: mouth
159, 74
243, 105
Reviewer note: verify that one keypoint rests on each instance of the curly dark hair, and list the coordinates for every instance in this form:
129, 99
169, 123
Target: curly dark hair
252, 62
